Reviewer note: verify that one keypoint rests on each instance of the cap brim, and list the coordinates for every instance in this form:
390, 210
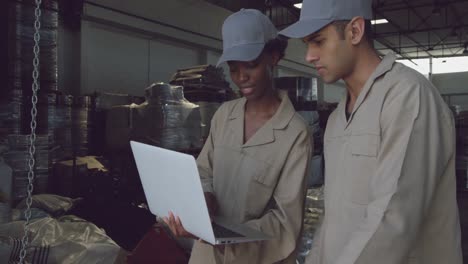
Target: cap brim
245, 52
304, 27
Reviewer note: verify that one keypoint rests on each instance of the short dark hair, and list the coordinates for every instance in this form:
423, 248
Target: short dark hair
340, 26
278, 44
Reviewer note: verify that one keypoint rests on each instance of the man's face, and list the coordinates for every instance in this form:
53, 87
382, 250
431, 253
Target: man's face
253, 78
331, 53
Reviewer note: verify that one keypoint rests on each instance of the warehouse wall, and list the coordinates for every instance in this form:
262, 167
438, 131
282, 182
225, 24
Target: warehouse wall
69, 59
126, 45
448, 83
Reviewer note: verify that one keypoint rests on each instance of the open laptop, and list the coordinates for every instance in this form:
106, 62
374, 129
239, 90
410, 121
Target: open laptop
171, 183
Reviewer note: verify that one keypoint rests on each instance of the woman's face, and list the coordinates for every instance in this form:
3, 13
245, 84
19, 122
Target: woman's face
254, 78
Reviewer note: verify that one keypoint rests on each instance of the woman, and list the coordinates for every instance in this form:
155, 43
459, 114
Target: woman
253, 165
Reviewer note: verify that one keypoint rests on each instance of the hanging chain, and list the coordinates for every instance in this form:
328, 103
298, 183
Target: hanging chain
32, 137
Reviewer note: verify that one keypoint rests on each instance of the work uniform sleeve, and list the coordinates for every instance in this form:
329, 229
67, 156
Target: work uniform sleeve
283, 223
416, 146
205, 158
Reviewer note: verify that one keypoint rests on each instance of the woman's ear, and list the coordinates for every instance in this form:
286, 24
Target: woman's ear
356, 29
275, 58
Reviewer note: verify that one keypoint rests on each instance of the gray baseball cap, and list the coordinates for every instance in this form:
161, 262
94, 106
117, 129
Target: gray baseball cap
245, 34
316, 14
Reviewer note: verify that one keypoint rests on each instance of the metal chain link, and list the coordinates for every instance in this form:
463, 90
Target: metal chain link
32, 137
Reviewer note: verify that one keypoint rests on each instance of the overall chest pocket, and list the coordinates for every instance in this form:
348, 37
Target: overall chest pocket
361, 165
260, 188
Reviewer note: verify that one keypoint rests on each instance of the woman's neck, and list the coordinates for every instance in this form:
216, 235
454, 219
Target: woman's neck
264, 106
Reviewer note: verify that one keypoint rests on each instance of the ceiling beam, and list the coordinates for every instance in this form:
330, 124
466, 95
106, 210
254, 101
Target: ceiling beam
401, 5
424, 21
459, 19
400, 29
412, 31
236, 5
427, 47
415, 54
439, 56
449, 46
385, 43
443, 40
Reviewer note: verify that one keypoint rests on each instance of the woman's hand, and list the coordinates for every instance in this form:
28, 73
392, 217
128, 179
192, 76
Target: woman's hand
173, 222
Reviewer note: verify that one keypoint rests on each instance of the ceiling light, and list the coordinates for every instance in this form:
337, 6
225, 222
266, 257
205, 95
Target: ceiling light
379, 21
298, 5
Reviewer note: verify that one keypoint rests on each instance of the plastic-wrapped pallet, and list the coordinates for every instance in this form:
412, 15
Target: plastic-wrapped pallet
207, 110
106, 101
10, 114
5, 190
70, 124
21, 42
17, 158
178, 119
67, 239
22, 13
165, 119
203, 83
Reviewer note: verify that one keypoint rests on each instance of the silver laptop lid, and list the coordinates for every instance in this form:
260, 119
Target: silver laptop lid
171, 183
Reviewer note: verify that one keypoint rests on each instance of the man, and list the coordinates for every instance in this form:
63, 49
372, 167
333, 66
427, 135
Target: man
390, 194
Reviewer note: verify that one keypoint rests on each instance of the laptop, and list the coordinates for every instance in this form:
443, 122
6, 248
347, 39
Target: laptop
171, 182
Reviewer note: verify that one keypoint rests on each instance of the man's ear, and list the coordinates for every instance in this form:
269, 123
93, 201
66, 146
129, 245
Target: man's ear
355, 29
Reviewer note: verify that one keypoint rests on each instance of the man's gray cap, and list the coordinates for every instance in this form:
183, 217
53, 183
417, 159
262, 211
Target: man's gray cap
245, 34
316, 14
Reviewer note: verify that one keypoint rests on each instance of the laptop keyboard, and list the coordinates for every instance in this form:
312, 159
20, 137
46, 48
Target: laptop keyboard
221, 232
